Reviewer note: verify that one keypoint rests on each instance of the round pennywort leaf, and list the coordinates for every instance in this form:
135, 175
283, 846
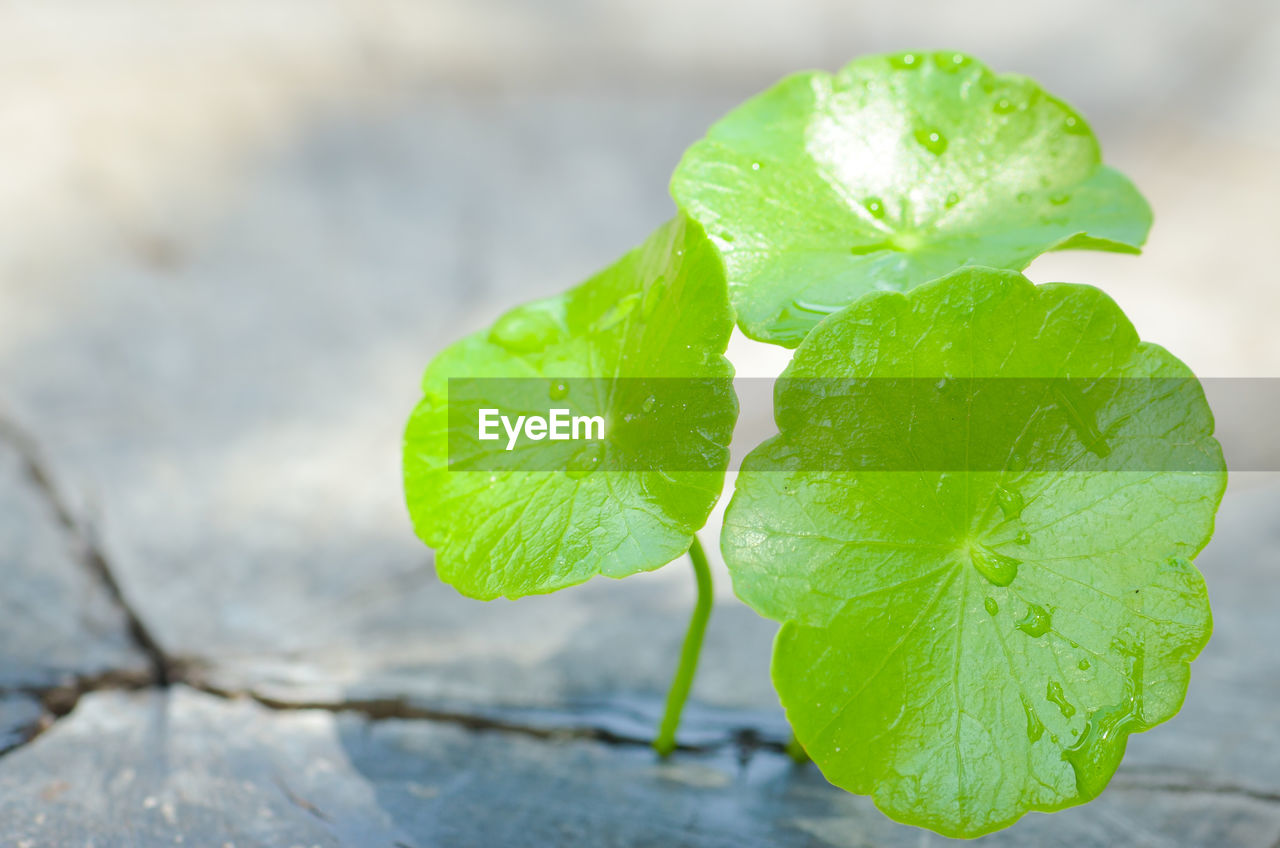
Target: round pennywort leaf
974, 631
892, 172
549, 514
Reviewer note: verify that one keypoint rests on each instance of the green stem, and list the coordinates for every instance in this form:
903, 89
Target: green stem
680, 685
796, 751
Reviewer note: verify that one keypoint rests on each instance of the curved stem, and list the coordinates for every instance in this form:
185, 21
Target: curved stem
680, 685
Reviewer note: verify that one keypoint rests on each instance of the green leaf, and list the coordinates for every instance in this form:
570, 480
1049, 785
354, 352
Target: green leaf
662, 311
892, 172
966, 646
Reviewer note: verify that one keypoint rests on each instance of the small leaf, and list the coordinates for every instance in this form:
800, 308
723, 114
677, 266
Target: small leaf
966, 646
892, 172
662, 311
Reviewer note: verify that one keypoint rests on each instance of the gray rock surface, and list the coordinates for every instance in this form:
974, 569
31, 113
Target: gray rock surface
21, 717
182, 767
60, 627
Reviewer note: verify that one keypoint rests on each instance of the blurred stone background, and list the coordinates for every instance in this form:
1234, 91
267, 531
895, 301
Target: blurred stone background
234, 233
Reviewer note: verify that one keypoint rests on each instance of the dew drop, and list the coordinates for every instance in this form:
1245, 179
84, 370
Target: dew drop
1003, 106
875, 206
998, 569
931, 140
525, 329
1036, 622
950, 62
755, 166
1178, 563
1096, 754
649, 403
1082, 419
618, 313
905, 61
991, 605
952, 199
1059, 197
585, 461
1035, 727
559, 390
1075, 125
1011, 502
1083, 665
1023, 538
653, 297
1053, 694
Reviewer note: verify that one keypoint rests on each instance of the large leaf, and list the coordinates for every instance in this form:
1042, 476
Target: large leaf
968, 645
892, 172
613, 507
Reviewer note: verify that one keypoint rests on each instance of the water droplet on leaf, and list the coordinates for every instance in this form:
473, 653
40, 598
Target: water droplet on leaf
1011, 502
1096, 754
991, 605
585, 461
931, 140
559, 390
951, 62
617, 313
525, 329
1036, 622
1053, 693
1082, 418
1035, 727
653, 297
998, 569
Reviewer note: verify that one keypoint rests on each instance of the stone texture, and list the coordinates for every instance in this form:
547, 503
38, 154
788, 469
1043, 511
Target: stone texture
21, 717
186, 768
59, 626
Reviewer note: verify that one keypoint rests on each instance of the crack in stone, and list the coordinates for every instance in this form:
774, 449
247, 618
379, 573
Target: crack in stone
59, 699
86, 544
746, 741
166, 671
1196, 786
